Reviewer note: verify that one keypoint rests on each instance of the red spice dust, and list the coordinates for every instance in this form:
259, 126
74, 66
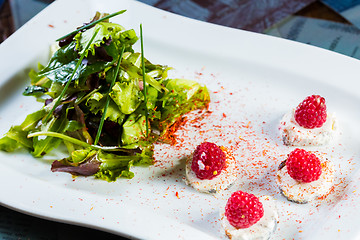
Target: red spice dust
257, 153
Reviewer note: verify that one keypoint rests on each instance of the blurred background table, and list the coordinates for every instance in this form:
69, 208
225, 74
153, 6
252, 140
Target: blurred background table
12, 17
14, 13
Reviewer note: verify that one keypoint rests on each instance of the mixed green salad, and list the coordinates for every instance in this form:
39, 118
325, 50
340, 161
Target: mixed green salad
102, 100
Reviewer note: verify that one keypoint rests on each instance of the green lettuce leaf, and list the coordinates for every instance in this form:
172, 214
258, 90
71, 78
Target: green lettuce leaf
127, 96
134, 129
131, 65
96, 104
17, 135
183, 96
79, 156
113, 166
105, 30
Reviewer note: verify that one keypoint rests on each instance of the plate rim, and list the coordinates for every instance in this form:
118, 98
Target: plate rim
255, 38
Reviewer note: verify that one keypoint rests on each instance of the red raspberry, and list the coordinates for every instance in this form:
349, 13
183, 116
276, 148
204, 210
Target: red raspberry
208, 160
303, 166
311, 113
243, 209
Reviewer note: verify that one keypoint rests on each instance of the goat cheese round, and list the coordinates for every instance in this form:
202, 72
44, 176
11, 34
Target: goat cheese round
295, 135
221, 182
300, 192
261, 230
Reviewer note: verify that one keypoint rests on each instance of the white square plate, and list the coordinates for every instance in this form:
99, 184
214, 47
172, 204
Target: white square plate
254, 79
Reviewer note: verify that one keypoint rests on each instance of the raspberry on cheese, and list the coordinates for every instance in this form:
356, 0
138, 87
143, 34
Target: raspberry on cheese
246, 216
309, 124
208, 161
303, 177
211, 168
243, 209
311, 113
303, 166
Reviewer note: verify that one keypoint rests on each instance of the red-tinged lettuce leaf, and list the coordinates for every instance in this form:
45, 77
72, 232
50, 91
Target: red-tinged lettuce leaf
88, 168
100, 164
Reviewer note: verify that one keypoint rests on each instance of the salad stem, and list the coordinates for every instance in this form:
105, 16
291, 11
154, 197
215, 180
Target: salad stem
87, 96
144, 81
108, 97
92, 24
61, 136
71, 77
75, 141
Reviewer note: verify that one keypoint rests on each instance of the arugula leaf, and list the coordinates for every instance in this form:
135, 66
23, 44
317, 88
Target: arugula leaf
44, 145
34, 90
47, 143
62, 65
72, 126
8, 144
17, 135
32, 120
39, 80
20, 136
